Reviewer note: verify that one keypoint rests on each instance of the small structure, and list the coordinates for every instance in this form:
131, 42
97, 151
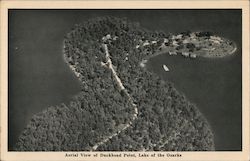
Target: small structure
175, 43
143, 63
107, 37
193, 55
186, 54
165, 68
146, 43
179, 36
115, 37
216, 39
192, 35
153, 42
186, 41
172, 53
165, 40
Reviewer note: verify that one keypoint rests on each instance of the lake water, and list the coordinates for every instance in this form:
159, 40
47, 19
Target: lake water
39, 78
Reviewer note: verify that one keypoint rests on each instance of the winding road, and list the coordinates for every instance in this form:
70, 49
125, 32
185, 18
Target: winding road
109, 65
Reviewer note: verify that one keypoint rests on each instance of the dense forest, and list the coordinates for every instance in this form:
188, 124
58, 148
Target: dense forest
166, 120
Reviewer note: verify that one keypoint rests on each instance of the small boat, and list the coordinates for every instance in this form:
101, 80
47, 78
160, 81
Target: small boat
165, 68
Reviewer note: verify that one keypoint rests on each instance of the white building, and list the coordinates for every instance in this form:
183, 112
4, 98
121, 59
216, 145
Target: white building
172, 53
193, 55
186, 54
146, 43
179, 36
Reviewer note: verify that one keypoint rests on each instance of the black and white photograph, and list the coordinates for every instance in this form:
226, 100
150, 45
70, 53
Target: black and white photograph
125, 80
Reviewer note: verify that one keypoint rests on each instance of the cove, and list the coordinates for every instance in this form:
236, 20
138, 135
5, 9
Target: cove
214, 85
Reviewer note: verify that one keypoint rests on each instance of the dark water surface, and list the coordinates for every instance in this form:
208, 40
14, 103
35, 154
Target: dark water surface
38, 77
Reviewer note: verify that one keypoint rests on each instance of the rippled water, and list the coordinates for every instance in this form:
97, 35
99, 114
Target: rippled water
39, 78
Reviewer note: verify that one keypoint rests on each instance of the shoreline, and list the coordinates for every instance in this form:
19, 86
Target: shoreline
73, 69
108, 65
191, 46
164, 104
162, 52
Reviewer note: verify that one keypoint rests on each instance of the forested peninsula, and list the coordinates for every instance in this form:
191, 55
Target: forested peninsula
122, 106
